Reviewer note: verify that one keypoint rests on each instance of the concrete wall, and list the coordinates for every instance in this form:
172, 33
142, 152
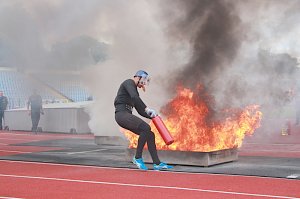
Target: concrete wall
54, 120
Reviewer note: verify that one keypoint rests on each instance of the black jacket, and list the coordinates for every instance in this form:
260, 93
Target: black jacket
3, 103
128, 95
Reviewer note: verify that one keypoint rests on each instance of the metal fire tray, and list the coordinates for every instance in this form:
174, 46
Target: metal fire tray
189, 157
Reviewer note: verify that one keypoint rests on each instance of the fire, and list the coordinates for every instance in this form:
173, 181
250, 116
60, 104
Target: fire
189, 119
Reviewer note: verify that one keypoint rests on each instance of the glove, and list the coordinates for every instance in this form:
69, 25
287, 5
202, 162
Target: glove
150, 112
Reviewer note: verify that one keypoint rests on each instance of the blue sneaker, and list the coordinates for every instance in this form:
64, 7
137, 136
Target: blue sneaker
162, 166
139, 163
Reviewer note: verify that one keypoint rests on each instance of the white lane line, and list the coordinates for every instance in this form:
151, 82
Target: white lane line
294, 176
71, 153
54, 136
15, 151
132, 169
266, 144
46, 134
147, 186
19, 139
3, 197
3, 144
275, 151
27, 151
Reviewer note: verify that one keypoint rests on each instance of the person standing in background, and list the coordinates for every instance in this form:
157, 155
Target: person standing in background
35, 104
3, 106
297, 103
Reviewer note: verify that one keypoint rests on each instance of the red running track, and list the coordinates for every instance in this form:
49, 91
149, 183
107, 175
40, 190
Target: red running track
43, 180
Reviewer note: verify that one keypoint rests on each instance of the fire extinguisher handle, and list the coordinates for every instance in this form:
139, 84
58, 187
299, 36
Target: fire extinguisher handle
151, 112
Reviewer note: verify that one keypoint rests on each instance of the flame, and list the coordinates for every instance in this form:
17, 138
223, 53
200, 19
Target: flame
188, 118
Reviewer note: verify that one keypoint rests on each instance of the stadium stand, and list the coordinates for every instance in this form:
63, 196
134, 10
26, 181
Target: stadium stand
18, 87
15, 87
70, 85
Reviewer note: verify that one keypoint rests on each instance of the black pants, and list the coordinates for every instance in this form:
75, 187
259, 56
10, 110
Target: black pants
297, 115
35, 118
1, 118
141, 128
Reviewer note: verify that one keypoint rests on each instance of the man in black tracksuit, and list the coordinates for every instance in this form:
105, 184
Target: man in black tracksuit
127, 98
3, 106
297, 101
36, 106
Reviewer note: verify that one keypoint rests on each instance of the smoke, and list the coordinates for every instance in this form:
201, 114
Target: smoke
45, 35
137, 42
213, 32
20, 40
108, 41
243, 52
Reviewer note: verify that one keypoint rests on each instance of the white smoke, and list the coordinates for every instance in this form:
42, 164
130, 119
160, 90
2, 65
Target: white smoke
137, 33
30, 30
137, 42
271, 27
274, 25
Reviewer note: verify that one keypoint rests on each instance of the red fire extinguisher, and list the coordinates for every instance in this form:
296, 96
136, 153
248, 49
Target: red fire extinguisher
162, 129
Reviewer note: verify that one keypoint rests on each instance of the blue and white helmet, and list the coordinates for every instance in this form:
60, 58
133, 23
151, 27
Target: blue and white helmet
144, 77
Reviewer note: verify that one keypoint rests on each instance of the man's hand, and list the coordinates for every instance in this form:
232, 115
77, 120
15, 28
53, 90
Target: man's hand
150, 112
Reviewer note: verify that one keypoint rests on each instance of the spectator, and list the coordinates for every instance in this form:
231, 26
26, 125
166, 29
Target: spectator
3, 106
90, 98
297, 101
36, 106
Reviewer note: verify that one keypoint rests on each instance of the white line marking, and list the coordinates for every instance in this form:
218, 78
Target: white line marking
293, 176
275, 151
266, 144
48, 134
148, 186
132, 169
71, 153
15, 151
26, 151
18, 139
3, 197
79, 136
3, 144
